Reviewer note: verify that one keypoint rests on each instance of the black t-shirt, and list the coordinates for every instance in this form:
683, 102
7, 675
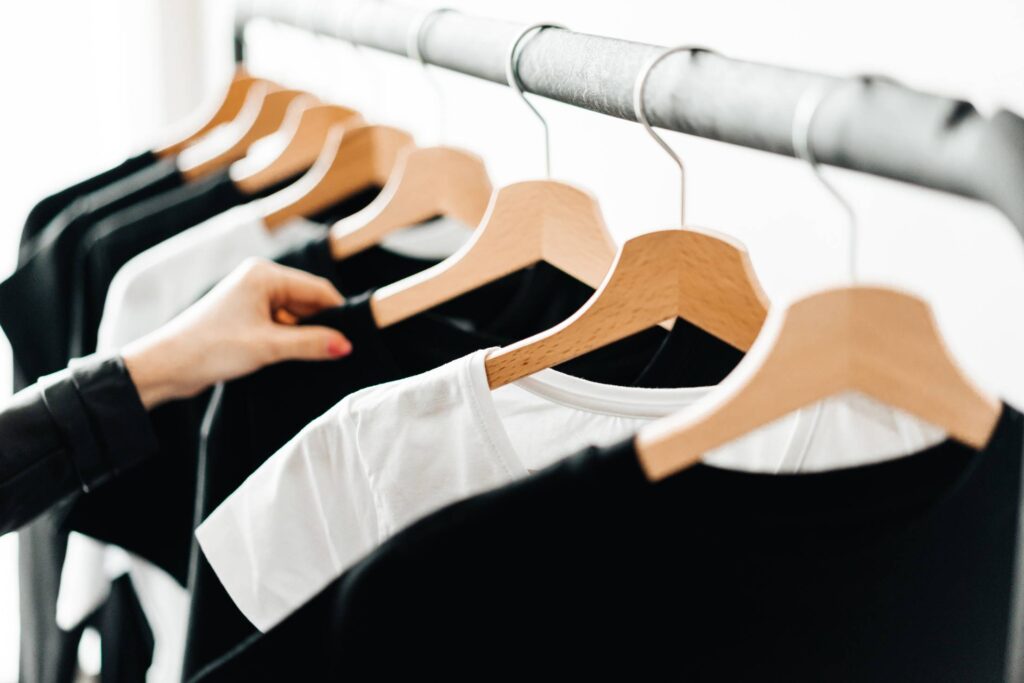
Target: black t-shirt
160, 490
35, 301
257, 415
113, 242
110, 243
46, 209
35, 298
898, 571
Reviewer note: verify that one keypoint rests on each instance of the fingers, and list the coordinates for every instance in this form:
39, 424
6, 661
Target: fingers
296, 310
285, 317
292, 294
308, 343
296, 291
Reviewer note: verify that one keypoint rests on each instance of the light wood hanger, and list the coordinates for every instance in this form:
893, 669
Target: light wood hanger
427, 182
306, 136
230, 105
873, 340
525, 223
263, 113
352, 160
704, 278
701, 277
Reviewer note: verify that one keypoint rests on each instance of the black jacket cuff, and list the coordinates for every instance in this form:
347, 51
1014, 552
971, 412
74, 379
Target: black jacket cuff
98, 409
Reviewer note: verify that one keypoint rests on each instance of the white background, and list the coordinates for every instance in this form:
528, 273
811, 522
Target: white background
84, 85
87, 83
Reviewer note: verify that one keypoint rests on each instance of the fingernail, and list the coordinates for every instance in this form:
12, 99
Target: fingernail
336, 348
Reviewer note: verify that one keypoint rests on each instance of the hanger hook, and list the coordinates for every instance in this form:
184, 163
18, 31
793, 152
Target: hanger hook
803, 116
640, 110
512, 76
414, 50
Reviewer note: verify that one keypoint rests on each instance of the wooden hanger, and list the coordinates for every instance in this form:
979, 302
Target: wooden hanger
873, 340
306, 136
701, 277
263, 113
877, 341
704, 278
427, 182
231, 104
352, 160
525, 223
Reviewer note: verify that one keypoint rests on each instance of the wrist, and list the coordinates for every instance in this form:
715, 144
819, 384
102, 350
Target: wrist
156, 376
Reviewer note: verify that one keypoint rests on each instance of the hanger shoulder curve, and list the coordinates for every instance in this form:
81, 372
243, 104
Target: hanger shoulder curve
877, 341
305, 139
701, 277
351, 160
231, 103
426, 182
526, 222
264, 112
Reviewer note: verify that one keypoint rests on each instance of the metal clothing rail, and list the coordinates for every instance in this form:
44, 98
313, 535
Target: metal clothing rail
874, 126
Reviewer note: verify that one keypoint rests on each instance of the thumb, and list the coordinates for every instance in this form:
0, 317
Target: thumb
309, 342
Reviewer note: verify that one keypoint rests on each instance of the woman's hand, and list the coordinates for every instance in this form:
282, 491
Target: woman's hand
243, 324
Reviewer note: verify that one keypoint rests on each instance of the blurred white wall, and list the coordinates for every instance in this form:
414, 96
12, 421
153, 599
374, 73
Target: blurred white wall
85, 84
88, 83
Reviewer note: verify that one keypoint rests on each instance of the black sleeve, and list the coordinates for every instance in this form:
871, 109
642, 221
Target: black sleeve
68, 433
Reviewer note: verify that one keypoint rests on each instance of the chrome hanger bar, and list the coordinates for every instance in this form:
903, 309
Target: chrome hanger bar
874, 126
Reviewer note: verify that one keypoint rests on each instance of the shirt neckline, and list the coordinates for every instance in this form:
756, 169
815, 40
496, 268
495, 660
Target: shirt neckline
849, 495
584, 395
606, 399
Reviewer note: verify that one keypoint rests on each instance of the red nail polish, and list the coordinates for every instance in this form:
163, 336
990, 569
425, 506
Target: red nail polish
337, 348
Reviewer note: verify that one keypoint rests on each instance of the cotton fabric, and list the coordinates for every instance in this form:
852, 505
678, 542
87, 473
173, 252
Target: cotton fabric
386, 456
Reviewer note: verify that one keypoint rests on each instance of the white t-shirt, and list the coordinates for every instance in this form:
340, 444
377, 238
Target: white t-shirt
161, 282
146, 292
388, 455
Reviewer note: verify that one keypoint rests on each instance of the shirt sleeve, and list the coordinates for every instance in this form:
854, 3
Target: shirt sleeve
69, 433
300, 520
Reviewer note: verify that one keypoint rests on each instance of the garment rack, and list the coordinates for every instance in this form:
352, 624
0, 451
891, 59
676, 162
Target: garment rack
879, 127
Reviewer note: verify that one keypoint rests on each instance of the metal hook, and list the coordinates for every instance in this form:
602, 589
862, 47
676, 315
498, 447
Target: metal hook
803, 116
641, 116
413, 46
512, 76
413, 49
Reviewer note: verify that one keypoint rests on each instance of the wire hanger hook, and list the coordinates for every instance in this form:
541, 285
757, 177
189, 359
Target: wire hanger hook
414, 50
803, 116
640, 110
512, 76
